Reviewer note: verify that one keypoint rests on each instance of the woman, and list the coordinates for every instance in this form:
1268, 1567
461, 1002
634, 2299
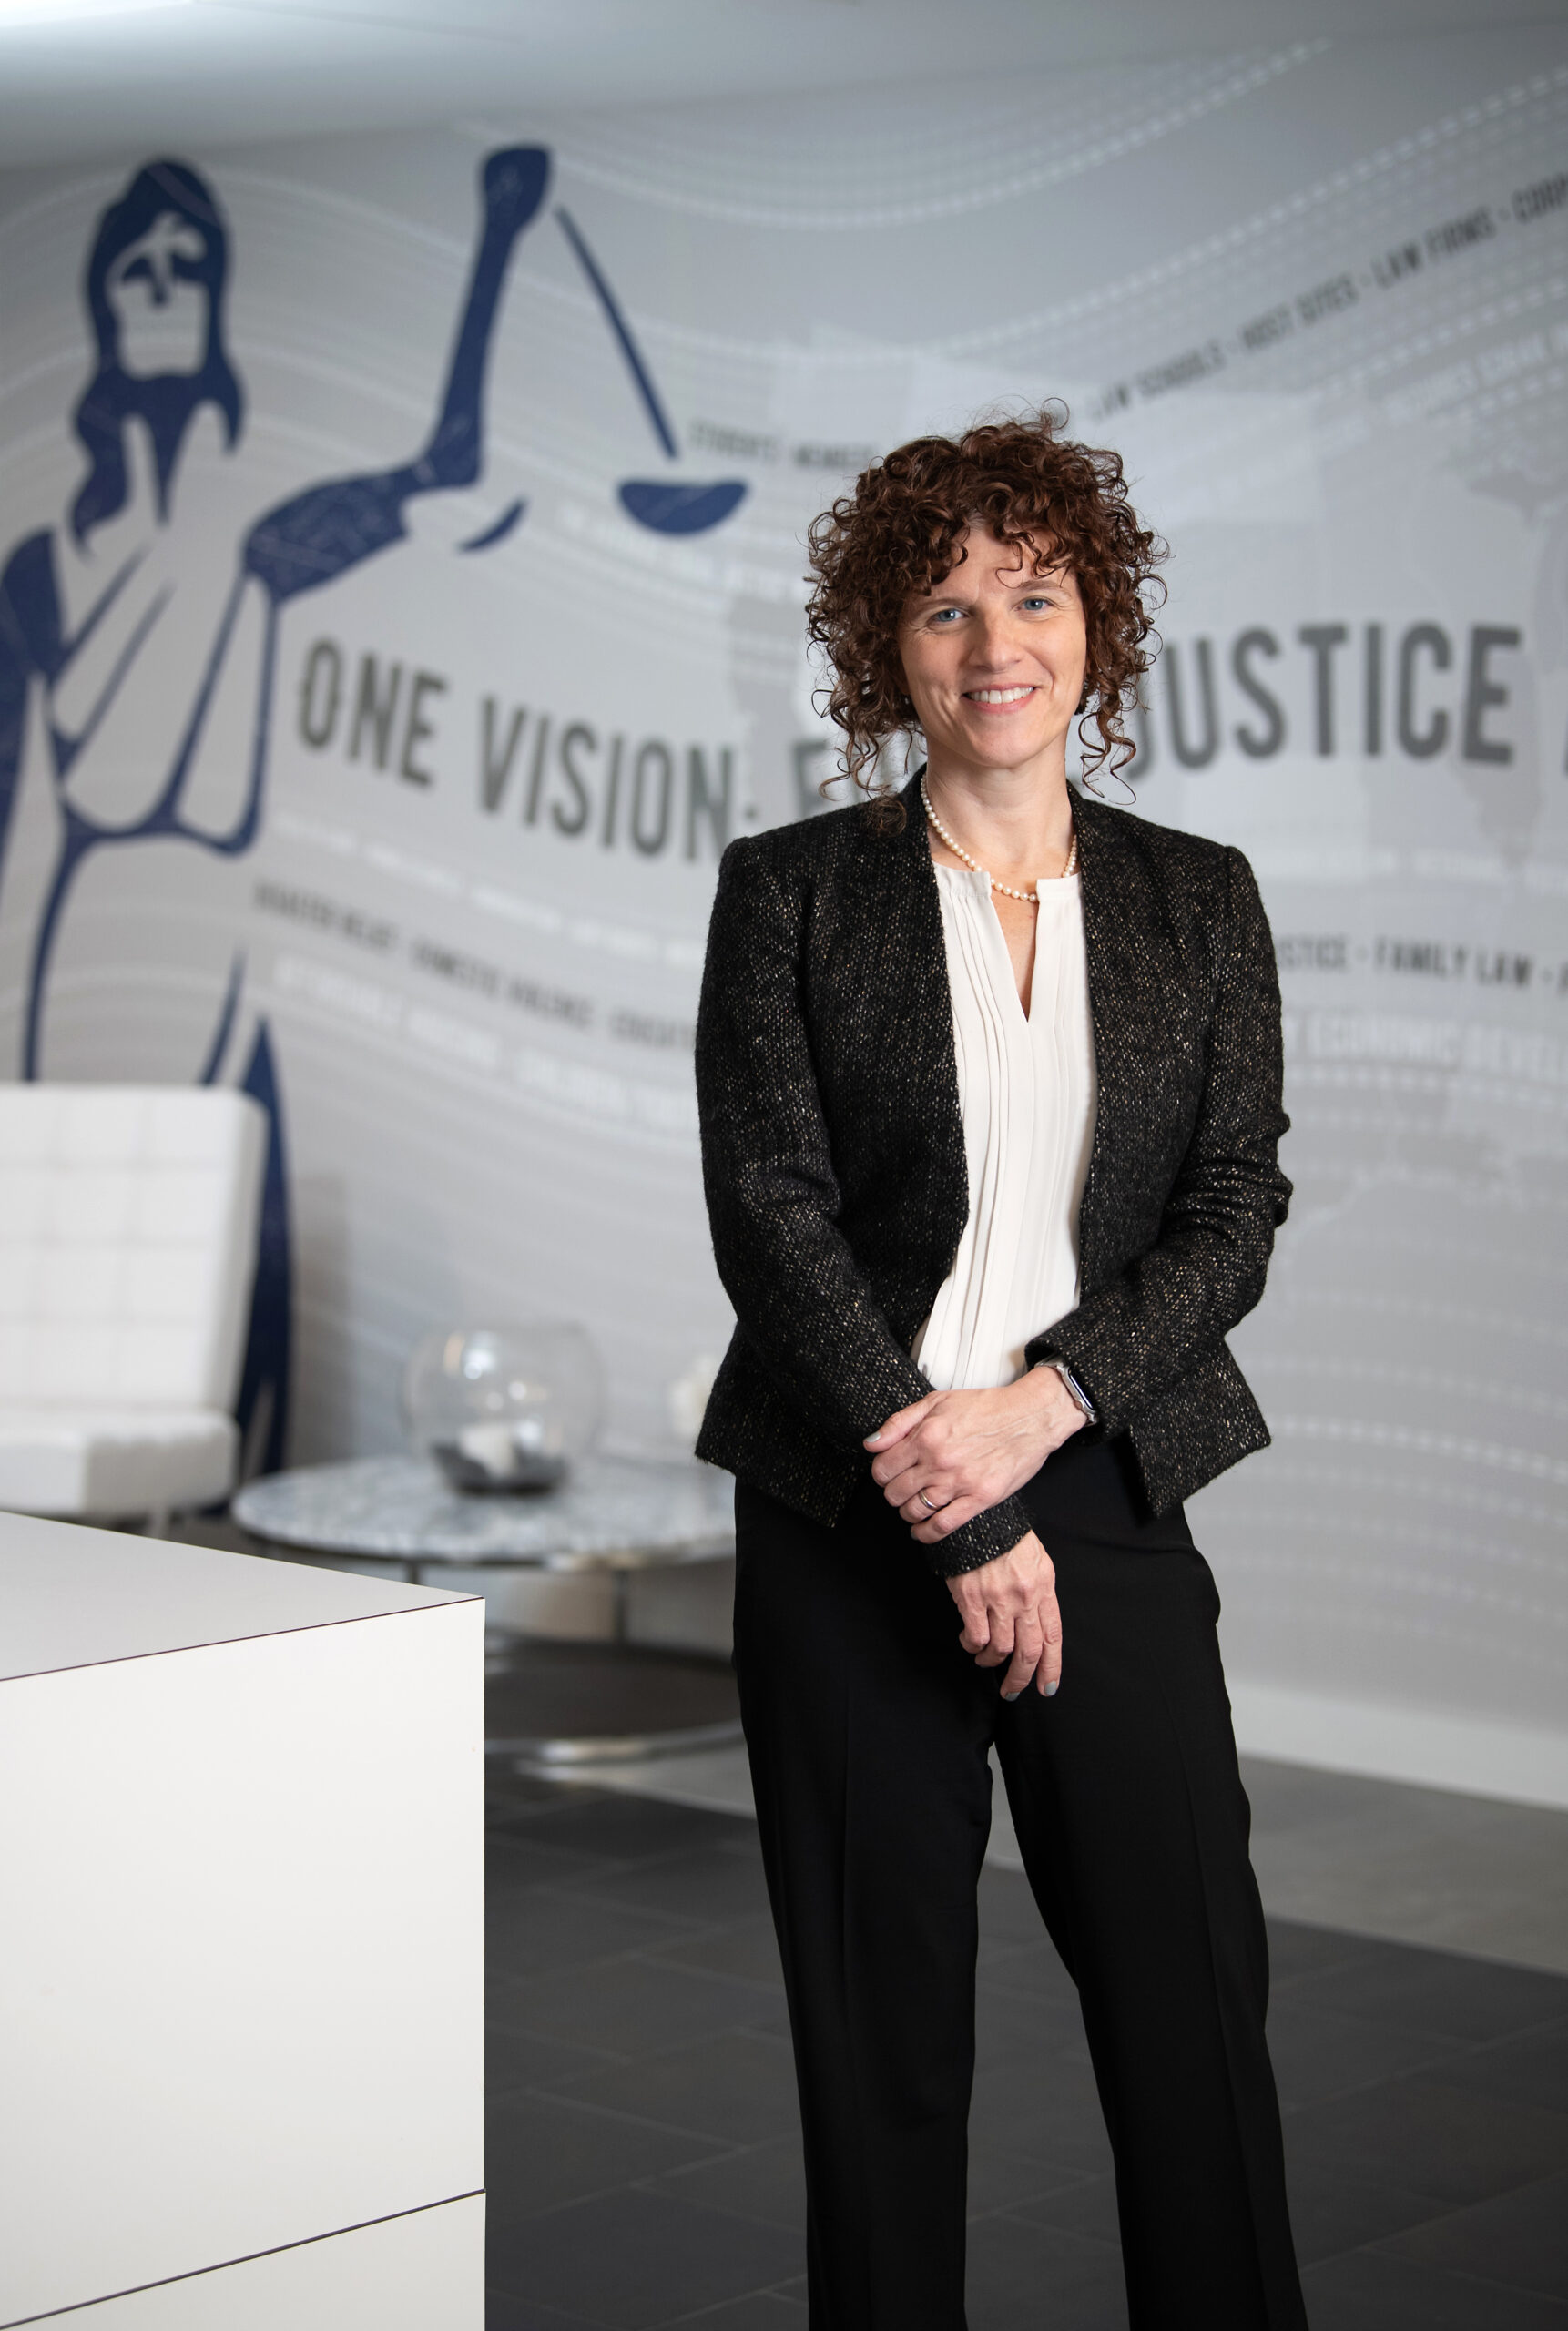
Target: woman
990, 1083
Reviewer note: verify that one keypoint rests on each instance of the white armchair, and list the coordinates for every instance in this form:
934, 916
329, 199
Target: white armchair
128, 1220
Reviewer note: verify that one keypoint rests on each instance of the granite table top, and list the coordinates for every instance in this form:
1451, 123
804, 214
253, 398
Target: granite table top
612, 1513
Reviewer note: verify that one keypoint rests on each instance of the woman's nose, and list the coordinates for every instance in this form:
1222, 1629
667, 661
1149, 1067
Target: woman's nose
991, 648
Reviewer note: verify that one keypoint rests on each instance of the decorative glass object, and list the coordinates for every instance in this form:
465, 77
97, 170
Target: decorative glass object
505, 1408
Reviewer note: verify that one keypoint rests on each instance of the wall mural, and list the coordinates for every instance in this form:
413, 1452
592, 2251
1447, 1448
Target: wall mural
110, 620
398, 619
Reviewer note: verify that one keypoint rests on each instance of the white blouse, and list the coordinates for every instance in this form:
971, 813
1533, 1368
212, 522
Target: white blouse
1027, 1093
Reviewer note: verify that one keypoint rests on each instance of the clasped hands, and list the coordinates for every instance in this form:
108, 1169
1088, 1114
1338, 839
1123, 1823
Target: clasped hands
948, 1457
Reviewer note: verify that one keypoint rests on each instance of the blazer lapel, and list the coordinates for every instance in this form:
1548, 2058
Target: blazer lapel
926, 990
893, 1060
892, 942
1124, 1007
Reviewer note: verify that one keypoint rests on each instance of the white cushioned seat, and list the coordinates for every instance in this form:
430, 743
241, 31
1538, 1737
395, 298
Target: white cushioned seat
128, 1246
114, 1462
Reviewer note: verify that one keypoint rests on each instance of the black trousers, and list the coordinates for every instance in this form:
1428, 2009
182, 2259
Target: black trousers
869, 1731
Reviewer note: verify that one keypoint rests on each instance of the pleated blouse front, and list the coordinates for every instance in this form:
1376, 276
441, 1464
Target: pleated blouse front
1027, 1092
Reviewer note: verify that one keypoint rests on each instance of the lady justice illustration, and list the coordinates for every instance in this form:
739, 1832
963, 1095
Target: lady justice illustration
139, 642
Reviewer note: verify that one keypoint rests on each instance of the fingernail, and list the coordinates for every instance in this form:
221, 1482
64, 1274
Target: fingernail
1010, 1696
1052, 1690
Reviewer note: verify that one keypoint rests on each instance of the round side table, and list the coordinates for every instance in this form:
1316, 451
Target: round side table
546, 1702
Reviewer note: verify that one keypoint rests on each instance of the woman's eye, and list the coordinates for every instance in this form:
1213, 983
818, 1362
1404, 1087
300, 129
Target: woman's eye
1037, 602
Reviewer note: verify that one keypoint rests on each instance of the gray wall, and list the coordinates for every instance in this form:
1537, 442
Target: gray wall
1317, 297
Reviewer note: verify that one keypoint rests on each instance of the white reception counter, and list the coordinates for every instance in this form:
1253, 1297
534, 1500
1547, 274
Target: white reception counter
241, 1955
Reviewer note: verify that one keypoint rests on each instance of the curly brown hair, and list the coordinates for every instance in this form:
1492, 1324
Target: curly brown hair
896, 537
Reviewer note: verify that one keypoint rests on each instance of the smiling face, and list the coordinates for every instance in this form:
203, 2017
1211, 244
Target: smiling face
994, 659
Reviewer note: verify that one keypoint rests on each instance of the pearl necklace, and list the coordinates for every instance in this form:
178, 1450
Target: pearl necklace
1029, 898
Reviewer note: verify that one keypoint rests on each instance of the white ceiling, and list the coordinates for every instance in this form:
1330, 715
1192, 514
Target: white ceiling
110, 78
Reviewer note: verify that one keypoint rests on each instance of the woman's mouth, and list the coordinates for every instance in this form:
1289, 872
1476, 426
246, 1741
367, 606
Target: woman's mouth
1001, 696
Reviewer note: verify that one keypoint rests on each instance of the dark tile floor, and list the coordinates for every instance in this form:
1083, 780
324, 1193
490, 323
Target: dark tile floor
644, 2165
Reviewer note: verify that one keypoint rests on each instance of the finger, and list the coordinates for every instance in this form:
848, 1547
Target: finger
1048, 1674
925, 1502
901, 1421
905, 1484
896, 1465
1028, 1645
936, 1527
975, 1633
1003, 1630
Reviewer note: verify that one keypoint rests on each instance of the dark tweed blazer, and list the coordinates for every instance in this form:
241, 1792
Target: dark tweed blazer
834, 1162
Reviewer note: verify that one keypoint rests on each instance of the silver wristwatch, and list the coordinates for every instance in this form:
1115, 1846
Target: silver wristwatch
1090, 1415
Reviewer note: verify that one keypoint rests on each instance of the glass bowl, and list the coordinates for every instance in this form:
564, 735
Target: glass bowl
505, 1408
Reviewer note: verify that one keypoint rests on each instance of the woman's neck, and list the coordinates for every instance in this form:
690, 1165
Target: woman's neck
1016, 823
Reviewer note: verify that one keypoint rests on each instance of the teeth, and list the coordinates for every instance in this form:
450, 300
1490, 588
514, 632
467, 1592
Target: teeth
998, 696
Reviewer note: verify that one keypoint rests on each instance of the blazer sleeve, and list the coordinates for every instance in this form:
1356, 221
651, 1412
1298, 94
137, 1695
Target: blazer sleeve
1171, 1308
800, 1298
